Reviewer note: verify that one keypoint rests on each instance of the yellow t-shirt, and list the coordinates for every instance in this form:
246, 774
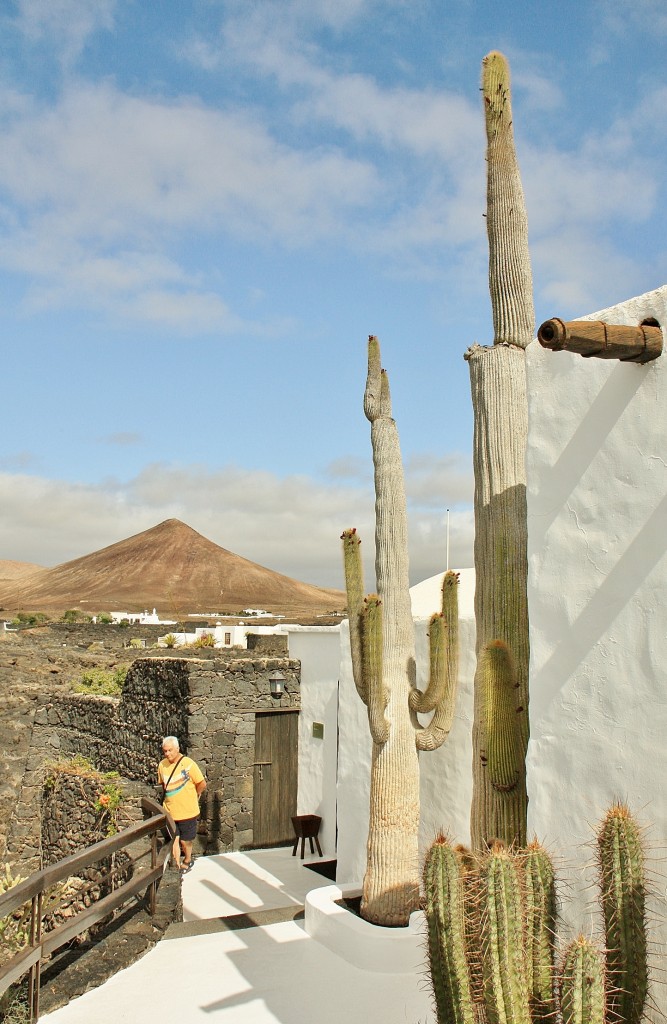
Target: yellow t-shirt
181, 798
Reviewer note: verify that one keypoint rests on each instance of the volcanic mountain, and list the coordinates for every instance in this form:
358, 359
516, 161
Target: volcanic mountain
170, 567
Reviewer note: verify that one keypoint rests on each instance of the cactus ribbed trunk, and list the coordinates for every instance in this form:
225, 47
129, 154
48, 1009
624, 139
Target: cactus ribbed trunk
510, 277
391, 882
498, 382
382, 646
498, 387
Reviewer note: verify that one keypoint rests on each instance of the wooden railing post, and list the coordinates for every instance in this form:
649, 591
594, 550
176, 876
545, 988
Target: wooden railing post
152, 887
35, 970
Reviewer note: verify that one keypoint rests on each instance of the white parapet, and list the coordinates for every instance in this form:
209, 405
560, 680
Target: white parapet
367, 946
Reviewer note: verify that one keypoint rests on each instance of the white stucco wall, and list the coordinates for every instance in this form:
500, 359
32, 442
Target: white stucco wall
597, 537
445, 774
318, 649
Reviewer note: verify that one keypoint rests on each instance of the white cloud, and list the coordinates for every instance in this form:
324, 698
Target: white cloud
99, 187
291, 525
649, 16
65, 25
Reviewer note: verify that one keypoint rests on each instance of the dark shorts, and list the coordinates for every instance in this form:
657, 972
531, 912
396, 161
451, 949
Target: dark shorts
187, 829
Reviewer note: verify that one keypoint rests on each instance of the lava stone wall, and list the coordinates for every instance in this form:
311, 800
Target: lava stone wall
71, 821
208, 702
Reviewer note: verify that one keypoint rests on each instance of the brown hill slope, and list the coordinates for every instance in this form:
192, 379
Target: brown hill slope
10, 570
170, 567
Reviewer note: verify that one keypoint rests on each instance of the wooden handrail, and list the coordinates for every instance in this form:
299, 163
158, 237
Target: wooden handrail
28, 959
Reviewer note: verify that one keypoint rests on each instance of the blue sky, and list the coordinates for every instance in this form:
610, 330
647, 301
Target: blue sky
206, 207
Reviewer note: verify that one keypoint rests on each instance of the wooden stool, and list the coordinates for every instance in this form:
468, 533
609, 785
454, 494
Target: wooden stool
306, 826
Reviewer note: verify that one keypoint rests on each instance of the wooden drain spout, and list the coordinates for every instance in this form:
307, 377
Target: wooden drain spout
594, 338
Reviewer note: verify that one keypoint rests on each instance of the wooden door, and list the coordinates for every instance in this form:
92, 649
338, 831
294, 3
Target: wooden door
275, 777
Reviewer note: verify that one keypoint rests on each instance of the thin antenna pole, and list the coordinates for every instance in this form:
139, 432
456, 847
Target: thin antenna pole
447, 540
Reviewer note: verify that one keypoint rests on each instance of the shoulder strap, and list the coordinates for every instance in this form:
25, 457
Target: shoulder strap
165, 784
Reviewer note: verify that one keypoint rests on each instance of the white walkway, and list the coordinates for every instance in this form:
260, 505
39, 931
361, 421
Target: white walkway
256, 975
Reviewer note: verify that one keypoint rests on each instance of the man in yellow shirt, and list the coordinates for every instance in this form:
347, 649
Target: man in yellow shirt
182, 784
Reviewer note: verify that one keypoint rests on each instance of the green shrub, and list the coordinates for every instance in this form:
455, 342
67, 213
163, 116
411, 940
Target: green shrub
30, 619
104, 618
205, 640
102, 682
170, 640
75, 615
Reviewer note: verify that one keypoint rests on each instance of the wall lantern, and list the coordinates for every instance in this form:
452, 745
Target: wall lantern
277, 684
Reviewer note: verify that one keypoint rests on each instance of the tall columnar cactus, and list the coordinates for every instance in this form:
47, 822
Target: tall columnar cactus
383, 663
502, 938
501, 747
514, 903
582, 984
498, 387
540, 930
444, 899
623, 889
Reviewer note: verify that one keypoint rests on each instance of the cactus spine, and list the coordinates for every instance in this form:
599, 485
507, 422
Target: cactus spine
498, 387
383, 663
623, 888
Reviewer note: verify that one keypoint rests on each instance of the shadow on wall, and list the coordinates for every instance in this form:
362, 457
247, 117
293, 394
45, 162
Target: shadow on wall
593, 431
614, 593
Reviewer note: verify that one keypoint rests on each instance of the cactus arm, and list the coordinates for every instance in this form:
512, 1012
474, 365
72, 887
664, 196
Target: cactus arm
504, 753
444, 884
441, 691
354, 586
443, 646
623, 895
510, 278
371, 644
582, 985
540, 931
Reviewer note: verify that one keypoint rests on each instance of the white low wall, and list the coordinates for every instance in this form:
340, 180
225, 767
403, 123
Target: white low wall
597, 535
318, 649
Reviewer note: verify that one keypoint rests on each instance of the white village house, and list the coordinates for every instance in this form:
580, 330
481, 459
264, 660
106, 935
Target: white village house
597, 545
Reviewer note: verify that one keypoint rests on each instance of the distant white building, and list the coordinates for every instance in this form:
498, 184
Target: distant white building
225, 635
144, 618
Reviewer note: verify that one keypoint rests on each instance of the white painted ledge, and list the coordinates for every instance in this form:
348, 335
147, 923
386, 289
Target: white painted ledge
366, 946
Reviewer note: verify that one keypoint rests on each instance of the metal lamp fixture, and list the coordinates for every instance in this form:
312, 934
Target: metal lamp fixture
277, 684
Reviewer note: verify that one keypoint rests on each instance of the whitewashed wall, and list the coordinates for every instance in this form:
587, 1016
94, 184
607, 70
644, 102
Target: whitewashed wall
318, 648
597, 535
445, 774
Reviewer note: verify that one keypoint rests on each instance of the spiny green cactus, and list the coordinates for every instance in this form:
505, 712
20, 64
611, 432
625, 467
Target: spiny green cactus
540, 932
513, 902
623, 895
383, 664
582, 984
444, 904
503, 950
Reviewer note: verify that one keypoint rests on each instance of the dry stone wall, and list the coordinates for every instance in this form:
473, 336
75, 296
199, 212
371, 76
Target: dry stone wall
209, 702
